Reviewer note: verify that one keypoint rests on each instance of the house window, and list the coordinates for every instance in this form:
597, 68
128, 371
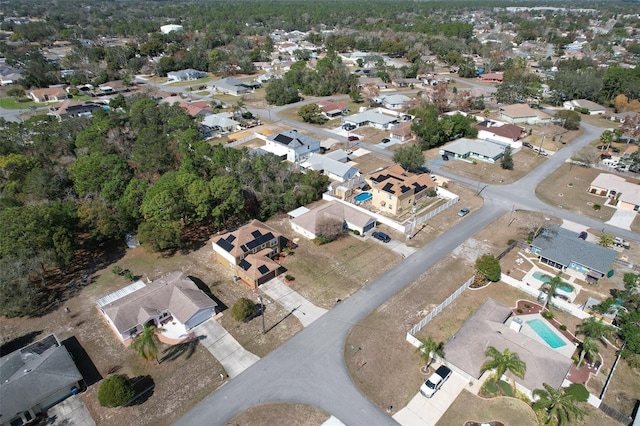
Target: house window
263, 246
273, 243
133, 332
636, 208
389, 196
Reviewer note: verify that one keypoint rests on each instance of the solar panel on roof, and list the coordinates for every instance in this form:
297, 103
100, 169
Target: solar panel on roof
404, 188
256, 234
226, 246
388, 187
262, 239
244, 265
283, 139
263, 269
231, 238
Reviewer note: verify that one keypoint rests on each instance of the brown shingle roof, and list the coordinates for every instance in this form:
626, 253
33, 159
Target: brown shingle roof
394, 180
246, 238
332, 210
522, 111
510, 131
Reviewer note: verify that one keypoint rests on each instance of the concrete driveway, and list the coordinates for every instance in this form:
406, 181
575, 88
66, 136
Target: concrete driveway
70, 412
427, 411
289, 299
622, 218
397, 246
233, 357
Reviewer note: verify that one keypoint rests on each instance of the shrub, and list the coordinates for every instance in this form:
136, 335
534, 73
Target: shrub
579, 392
115, 391
356, 232
597, 207
563, 327
117, 270
526, 305
128, 275
520, 311
289, 277
243, 309
547, 314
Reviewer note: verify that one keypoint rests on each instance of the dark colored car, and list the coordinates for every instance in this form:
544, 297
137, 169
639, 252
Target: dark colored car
385, 140
445, 157
527, 145
583, 235
381, 236
353, 138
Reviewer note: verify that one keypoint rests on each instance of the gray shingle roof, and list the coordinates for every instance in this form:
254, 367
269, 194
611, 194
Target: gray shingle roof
564, 246
481, 147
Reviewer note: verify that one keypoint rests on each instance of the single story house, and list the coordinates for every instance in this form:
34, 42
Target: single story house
292, 145
332, 109
394, 102
73, 109
402, 133
494, 77
9, 75
172, 297
248, 252
501, 132
166, 29
625, 195
35, 378
233, 86
561, 249
185, 75
372, 118
621, 117
220, 122
196, 108
371, 81
483, 150
490, 325
406, 82
49, 94
592, 107
334, 169
395, 191
311, 223
523, 113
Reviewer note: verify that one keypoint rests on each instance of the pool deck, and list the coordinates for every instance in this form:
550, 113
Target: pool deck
567, 350
537, 284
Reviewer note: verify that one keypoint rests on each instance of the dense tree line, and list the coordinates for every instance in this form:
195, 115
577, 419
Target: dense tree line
145, 169
434, 130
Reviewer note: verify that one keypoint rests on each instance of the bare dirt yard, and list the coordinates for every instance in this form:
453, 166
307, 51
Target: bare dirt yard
280, 414
470, 407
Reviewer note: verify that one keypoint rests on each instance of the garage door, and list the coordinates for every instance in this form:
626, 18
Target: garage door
199, 317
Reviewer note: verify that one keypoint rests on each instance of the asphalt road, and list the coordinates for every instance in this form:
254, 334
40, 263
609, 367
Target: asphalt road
310, 368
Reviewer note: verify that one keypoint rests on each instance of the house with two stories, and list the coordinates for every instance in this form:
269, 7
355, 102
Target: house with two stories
35, 378
624, 195
395, 191
174, 298
561, 249
523, 114
249, 251
185, 75
233, 86
292, 145
484, 150
334, 214
592, 107
334, 165
49, 94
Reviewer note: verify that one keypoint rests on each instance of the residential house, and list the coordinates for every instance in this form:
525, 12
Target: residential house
71, 108
332, 109
196, 108
172, 298
166, 29
402, 133
493, 77
327, 165
333, 214
185, 75
395, 191
372, 81
492, 324
292, 145
49, 94
592, 107
35, 378
9, 75
625, 195
394, 102
233, 86
621, 117
484, 150
248, 252
111, 88
221, 122
372, 118
407, 82
500, 132
562, 249
523, 113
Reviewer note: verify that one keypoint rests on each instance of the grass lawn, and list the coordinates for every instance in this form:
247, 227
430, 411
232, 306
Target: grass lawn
469, 407
23, 103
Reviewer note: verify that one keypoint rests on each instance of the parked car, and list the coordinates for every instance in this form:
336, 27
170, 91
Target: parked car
381, 236
583, 235
348, 126
463, 212
353, 138
527, 145
435, 381
385, 140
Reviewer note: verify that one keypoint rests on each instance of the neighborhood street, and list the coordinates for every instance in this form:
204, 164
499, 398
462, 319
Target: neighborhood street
310, 368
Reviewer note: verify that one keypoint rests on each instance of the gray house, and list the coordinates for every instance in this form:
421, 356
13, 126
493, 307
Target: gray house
233, 86
489, 151
35, 378
185, 75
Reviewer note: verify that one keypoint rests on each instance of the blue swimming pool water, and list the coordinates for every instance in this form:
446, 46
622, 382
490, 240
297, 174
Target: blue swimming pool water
545, 279
548, 335
363, 196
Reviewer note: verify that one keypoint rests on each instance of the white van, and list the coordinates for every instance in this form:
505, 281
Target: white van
609, 162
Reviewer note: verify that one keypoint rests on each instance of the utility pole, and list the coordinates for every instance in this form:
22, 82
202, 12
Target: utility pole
264, 330
541, 142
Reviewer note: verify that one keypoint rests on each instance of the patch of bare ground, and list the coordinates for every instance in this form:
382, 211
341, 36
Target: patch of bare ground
369, 162
470, 407
280, 414
624, 389
594, 417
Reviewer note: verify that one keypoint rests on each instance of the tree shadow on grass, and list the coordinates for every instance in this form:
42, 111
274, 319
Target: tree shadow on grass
143, 386
186, 349
18, 342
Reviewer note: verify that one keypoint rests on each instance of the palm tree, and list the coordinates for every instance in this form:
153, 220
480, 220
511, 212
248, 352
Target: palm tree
607, 240
588, 349
560, 407
503, 362
596, 329
428, 349
147, 342
551, 286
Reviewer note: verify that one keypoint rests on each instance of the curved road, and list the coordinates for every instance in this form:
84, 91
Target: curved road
310, 369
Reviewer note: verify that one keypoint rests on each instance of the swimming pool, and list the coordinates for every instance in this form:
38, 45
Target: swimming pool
546, 278
547, 334
363, 196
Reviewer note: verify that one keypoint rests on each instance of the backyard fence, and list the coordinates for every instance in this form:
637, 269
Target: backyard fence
436, 311
409, 229
245, 139
506, 251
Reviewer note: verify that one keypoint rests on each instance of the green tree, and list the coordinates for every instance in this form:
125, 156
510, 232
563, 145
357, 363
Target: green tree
243, 309
503, 362
429, 349
311, 113
595, 328
115, 391
606, 240
356, 96
570, 120
507, 160
551, 286
489, 267
147, 344
558, 407
281, 92
588, 350
409, 157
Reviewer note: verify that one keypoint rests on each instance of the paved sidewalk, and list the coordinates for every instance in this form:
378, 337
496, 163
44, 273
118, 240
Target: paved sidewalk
233, 357
282, 294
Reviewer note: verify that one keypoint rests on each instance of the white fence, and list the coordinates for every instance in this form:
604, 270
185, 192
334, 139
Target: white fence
436, 311
245, 139
409, 229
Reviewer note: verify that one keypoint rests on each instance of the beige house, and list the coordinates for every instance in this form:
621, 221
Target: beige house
333, 214
402, 133
50, 94
625, 195
523, 113
395, 191
248, 252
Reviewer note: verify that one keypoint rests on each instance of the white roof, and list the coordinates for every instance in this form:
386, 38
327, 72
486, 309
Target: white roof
119, 294
298, 212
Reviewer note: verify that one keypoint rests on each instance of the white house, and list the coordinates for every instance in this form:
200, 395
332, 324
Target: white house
394, 102
523, 113
292, 145
464, 148
372, 118
166, 29
592, 107
233, 86
220, 122
311, 223
185, 75
333, 168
